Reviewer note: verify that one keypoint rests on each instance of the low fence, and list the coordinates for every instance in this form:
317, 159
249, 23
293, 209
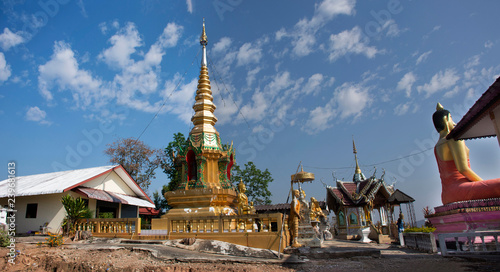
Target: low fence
422, 241
254, 230
481, 242
110, 227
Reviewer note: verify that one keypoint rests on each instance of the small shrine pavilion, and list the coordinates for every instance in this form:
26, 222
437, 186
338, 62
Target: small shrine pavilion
205, 166
353, 203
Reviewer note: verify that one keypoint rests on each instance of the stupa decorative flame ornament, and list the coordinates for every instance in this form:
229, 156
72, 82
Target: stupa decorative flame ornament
205, 166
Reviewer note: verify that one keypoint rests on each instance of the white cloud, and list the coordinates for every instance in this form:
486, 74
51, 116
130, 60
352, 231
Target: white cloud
352, 99
222, 45
256, 111
9, 39
320, 118
452, 93
303, 45
123, 45
402, 109
280, 34
248, 54
349, 100
5, 71
170, 35
35, 114
392, 28
139, 79
227, 108
251, 75
350, 42
440, 81
189, 4
472, 62
62, 70
280, 82
303, 34
313, 84
488, 44
103, 27
406, 83
258, 128
471, 94
181, 100
434, 29
423, 57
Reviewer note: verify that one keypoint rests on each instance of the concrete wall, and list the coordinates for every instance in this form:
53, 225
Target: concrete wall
111, 183
50, 210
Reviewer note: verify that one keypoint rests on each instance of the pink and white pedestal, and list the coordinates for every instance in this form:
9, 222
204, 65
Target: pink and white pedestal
467, 216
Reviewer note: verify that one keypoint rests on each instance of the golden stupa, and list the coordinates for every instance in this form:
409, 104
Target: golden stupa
205, 166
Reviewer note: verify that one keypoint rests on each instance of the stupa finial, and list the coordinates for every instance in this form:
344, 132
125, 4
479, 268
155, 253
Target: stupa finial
203, 37
358, 170
204, 42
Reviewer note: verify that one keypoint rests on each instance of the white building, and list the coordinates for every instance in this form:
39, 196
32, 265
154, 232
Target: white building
108, 190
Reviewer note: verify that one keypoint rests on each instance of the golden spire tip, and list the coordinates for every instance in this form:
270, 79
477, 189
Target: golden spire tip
203, 38
439, 107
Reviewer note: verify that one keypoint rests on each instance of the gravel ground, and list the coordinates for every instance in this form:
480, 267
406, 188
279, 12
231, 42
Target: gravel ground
111, 256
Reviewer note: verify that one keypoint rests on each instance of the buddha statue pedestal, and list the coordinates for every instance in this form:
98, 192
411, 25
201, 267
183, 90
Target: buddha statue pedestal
467, 216
308, 235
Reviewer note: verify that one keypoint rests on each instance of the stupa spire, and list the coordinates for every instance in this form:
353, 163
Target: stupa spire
358, 175
204, 118
358, 170
204, 42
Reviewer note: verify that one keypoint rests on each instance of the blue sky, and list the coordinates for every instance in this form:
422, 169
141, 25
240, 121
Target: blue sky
293, 81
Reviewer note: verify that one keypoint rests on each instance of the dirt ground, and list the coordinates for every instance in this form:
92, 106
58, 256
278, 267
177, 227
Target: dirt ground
42, 258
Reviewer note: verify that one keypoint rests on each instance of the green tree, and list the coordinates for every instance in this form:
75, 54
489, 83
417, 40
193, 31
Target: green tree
256, 182
137, 158
76, 208
160, 201
178, 144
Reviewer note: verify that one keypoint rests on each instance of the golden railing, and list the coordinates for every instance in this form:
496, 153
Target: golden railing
110, 227
253, 230
225, 224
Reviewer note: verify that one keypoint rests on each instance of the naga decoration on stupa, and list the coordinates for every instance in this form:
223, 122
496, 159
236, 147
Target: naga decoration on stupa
205, 166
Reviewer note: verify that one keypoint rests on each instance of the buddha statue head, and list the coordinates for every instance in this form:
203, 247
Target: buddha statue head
442, 120
242, 187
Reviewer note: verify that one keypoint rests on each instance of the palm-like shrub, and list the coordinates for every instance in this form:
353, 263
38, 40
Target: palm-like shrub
76, 208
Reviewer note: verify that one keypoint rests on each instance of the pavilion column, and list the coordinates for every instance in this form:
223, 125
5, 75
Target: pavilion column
496, 125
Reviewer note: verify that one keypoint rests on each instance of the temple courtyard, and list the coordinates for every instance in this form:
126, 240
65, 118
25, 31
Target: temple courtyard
206, 255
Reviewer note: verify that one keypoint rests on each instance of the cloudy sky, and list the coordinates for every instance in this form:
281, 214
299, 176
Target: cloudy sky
293, 81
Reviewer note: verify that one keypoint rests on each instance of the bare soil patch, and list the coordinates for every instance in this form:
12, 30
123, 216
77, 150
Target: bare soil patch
42, 258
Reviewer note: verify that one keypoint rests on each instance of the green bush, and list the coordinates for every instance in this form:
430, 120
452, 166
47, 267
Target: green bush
4, 239
422, 229
106, 215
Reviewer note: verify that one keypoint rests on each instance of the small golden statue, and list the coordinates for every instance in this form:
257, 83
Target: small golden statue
243, 207
293, 219
458, 181
316, 213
